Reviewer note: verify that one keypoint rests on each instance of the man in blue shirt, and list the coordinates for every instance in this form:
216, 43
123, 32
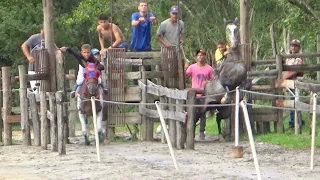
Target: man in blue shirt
141, 23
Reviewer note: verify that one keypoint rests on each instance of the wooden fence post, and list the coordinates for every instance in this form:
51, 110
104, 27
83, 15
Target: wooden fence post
1, 120
44, 120
73, 115
53, 122
164, 107
144, 119
61, 123
25, 126
6, 84
279, 63
172, 124
180, 126
35, 118
191, 119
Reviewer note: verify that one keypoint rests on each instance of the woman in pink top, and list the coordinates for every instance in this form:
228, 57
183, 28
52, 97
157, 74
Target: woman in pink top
200, 73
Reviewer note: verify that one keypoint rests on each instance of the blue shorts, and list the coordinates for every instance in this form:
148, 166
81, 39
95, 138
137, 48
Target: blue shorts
123, 45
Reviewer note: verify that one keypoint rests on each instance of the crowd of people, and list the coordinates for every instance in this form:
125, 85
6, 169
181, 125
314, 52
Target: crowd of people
170, 33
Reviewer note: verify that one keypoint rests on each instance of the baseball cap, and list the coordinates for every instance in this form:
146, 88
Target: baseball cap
203, 52
95, 51
295, 42
174, 9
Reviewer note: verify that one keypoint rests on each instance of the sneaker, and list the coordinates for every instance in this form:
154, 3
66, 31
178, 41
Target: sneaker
73, 94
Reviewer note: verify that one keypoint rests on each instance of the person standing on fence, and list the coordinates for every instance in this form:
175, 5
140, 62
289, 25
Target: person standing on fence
141, 25
295, 47
29, 49
200, 73
170, 31
110, 31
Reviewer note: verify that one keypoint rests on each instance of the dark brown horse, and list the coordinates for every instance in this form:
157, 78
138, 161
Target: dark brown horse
90, 88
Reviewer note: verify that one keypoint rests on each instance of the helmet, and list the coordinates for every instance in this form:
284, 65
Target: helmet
95, 51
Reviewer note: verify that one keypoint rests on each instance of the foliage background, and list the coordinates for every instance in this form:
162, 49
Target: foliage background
75, 22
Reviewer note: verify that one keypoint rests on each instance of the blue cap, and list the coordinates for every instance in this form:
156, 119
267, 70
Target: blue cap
95, 51
174, 9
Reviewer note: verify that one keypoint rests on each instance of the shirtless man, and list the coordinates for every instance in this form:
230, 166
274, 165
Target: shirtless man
110, 31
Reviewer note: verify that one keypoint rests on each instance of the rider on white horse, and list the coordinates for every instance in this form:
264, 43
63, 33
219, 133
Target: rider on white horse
85, 56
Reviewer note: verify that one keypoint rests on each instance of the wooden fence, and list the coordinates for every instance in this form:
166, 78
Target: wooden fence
271, 82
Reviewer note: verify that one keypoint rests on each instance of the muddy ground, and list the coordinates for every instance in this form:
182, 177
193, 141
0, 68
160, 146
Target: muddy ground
211, 159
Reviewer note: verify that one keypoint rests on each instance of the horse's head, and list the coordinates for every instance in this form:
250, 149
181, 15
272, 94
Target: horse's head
91, 76
233, 33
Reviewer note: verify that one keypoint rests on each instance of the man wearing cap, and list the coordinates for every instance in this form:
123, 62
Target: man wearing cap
29, 49
170, 32
295, 46
200, 73
141, 24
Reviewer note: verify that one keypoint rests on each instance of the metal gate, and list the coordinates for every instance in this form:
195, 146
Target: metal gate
115, 71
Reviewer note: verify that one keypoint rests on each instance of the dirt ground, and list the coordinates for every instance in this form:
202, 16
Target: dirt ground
211, 159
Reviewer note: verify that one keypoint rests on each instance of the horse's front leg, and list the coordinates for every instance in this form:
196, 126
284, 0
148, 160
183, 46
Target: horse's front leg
100, 124
85, 128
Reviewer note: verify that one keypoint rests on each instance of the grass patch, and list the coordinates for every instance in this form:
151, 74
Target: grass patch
288, 139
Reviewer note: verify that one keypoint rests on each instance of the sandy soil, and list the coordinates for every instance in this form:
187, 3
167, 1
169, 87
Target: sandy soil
151, 160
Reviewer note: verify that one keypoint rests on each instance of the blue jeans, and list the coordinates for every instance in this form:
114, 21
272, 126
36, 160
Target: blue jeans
291, 121
123, 45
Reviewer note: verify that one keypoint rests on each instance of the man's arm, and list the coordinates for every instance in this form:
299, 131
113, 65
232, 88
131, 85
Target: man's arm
116, 33
29, 43
160, 33
162, 41
290, 74
136, 19
76, 54
101, 39
181, 32
25, 50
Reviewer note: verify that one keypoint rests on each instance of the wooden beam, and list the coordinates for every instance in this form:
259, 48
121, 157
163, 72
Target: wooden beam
262, 111
38, 76
268, 118
164, 91
307, 86
272, 72
70, 76
263, 77
148, 54
263, 62
302, 67
154, 61
130, 117
302, 55
13, 119
280, 83
167, 114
